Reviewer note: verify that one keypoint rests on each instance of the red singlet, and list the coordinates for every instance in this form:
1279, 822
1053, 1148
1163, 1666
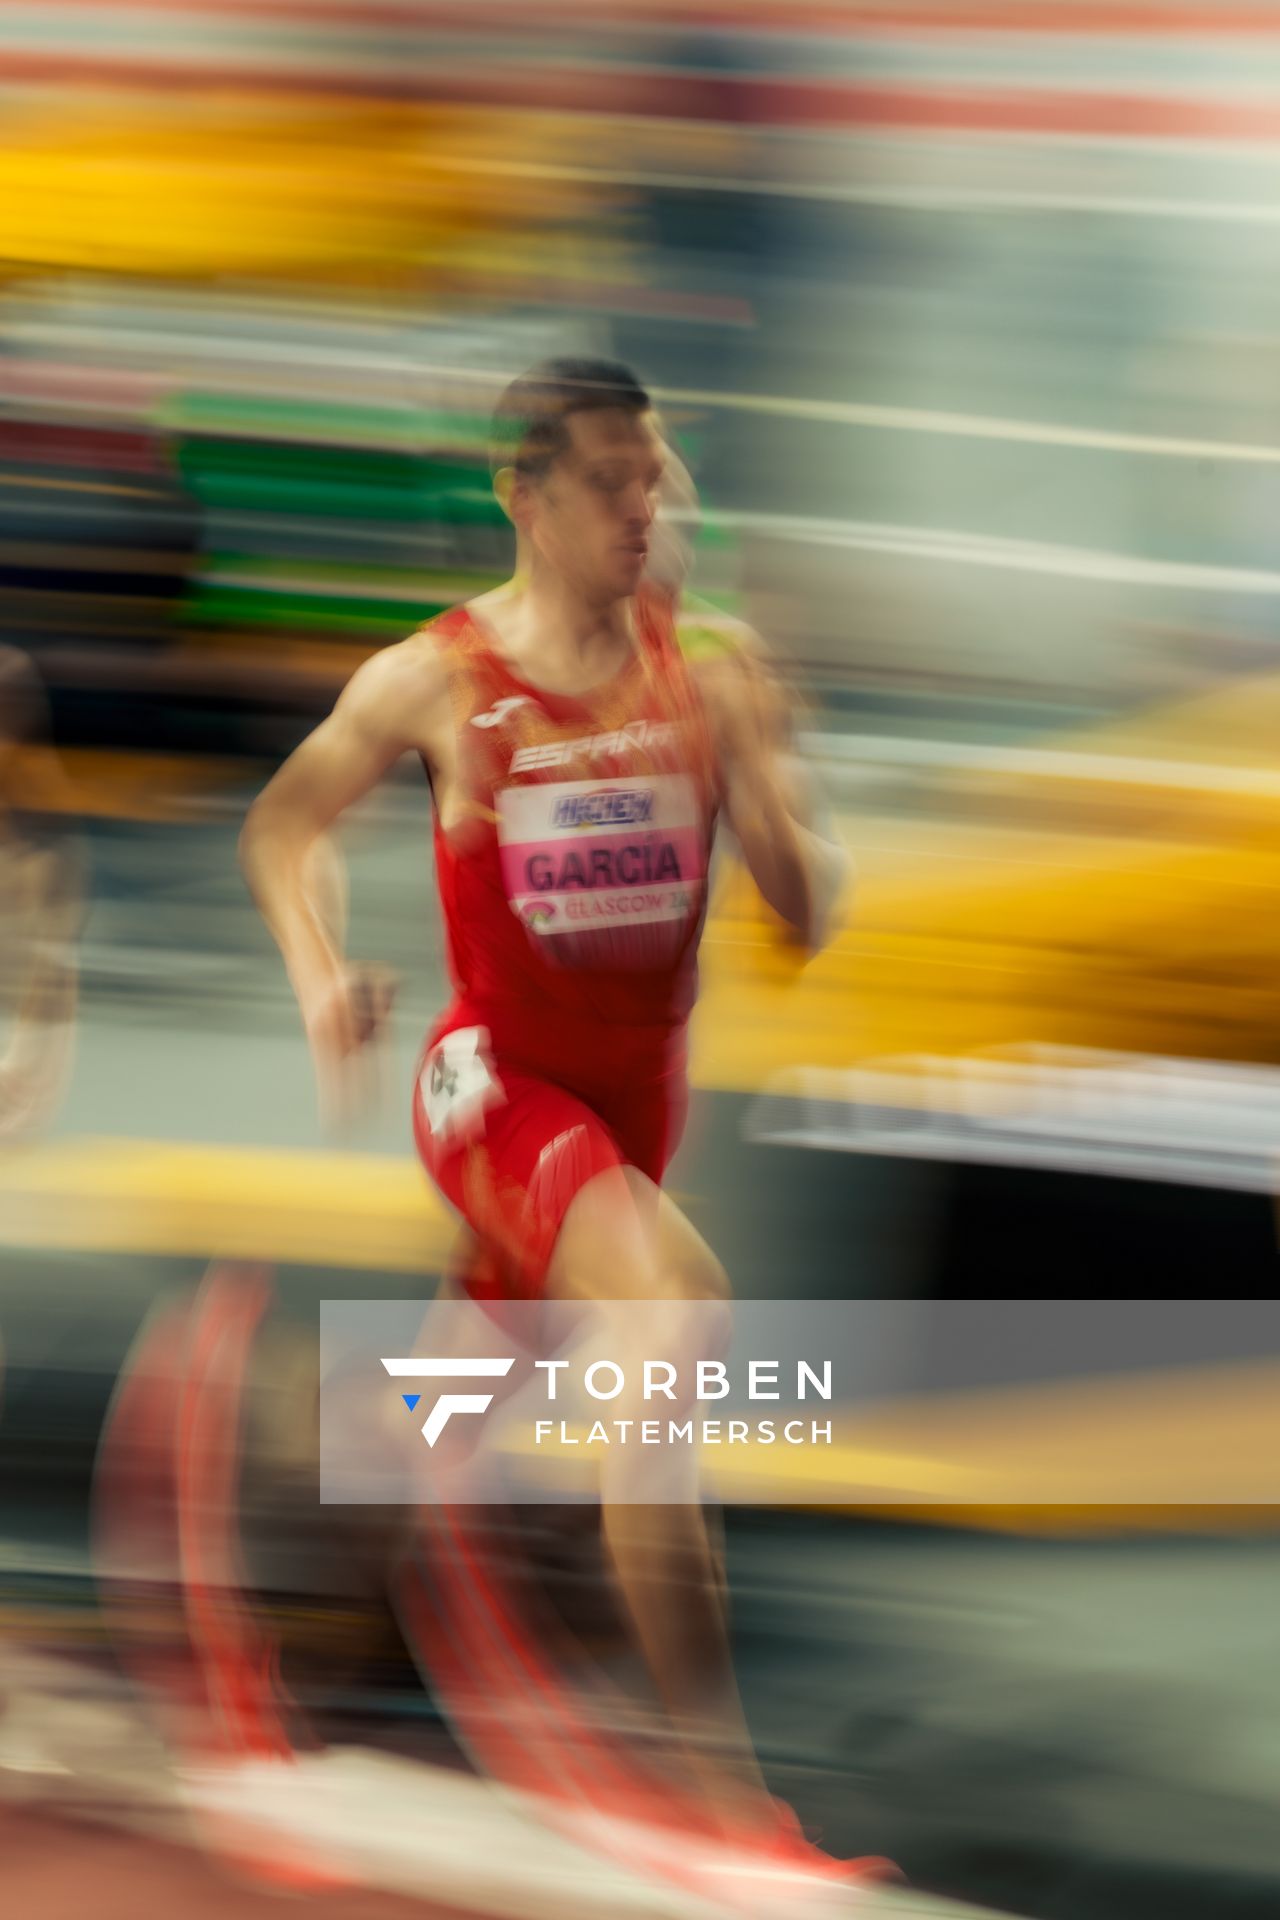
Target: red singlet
573, 898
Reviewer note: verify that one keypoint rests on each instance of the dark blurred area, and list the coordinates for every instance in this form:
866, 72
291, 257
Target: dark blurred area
966, 320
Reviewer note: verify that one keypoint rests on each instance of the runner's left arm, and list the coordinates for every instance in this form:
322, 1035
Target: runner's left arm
766, 791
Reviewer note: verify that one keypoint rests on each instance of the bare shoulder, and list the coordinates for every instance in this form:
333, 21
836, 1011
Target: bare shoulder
400, 692
736, 677
411, 666
22, 701
15, 666
704, 629
723, 653
719, 648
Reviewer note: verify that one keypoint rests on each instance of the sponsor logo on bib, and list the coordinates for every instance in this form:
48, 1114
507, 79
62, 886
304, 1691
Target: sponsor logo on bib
607, 807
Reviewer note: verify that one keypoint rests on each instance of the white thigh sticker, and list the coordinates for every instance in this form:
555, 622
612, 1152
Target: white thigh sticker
458, 1084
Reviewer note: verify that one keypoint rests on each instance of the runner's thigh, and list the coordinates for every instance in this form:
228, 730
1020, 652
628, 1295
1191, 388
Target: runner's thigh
510, 1152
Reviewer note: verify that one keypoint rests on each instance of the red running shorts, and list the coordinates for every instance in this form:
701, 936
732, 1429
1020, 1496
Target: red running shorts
510, 1149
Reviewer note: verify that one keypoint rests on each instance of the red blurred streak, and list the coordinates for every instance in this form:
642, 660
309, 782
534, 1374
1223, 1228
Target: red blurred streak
61, 383
652, 94
37, 443
1087, 18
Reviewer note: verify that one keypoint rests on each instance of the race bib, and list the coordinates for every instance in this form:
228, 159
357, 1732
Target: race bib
605, 873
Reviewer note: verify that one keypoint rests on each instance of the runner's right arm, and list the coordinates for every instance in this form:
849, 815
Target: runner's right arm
397, 702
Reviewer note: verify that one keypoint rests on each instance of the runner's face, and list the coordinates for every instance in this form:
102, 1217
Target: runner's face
592, 516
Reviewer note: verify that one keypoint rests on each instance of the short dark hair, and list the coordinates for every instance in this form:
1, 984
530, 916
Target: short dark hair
529, 422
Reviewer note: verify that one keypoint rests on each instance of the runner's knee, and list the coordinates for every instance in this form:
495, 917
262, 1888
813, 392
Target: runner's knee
623, 1239
696, 1274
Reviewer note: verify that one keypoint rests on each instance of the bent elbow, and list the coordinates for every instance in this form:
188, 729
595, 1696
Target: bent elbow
828, 894
806, 938
260, 829
248, 839
799, 918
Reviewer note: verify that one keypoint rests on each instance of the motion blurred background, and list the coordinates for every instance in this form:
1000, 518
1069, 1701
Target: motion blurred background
967, 320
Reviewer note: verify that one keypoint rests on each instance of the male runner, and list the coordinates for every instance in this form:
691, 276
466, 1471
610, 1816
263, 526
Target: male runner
41, 904
578, 763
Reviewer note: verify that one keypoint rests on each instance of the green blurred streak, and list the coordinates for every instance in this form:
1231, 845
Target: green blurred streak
245, 606
248, 418
337, 483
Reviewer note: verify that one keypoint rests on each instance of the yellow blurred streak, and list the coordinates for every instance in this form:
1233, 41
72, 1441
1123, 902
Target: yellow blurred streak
997, 1458
206, 186
111, 785
327, 663
155, 1197
1132, 918
1175, 1444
